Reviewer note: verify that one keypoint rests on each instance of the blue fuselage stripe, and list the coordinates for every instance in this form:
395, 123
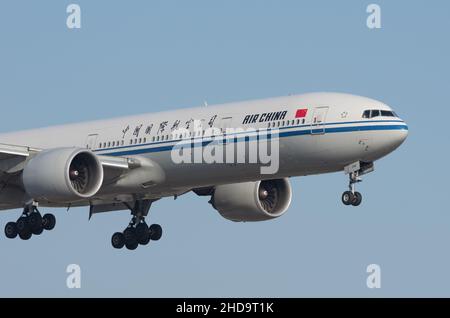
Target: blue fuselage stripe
281, 135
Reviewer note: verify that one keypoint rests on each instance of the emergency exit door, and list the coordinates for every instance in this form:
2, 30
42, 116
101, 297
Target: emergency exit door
91, 141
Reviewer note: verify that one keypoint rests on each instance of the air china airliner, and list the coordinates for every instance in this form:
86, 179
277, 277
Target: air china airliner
241, 155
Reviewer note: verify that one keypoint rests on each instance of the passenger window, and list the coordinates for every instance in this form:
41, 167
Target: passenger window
113, 143
131, 141
100, 145
298, 121
122, 142
145, 140
109, 144
153, 138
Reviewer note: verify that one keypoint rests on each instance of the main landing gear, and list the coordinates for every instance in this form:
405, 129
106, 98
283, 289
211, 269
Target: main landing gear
30, 222
355, 171
138, 232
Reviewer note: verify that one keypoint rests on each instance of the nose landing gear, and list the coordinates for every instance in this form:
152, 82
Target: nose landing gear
352, 197
355, 171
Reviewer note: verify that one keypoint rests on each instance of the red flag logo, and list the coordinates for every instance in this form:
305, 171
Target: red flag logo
301, 113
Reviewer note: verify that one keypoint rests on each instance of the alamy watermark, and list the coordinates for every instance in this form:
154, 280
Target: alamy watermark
373, 281
213, 145
74, 278
73, 20
374, 19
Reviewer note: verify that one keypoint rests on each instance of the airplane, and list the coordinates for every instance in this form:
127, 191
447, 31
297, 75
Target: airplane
128, 163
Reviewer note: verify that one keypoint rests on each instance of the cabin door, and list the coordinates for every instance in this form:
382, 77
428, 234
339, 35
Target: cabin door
318, 120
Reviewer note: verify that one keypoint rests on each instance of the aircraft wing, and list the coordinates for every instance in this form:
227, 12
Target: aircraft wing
14, 157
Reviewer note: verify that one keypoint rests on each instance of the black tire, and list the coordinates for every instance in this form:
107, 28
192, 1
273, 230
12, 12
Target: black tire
145, 239
141, 231
23, 225
35, 221
347, 197
131, 241
48, 221
118, 240
129, 234
11, 230
25, 235
357, 199
38, 230
155, 232
132, 245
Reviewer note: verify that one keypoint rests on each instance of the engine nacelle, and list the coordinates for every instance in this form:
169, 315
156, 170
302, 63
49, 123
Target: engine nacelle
253, 201
63, 175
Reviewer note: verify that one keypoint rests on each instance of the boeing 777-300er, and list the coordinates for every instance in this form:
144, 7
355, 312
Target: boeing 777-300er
128, 163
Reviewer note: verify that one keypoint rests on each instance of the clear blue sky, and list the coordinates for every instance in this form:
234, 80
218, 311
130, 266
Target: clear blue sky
143, 56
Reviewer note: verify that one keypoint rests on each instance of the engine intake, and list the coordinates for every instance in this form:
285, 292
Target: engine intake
252, 201
63, 175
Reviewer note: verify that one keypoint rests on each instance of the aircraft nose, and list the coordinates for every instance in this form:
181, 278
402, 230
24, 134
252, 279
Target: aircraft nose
400, 136
387, 141
397, 137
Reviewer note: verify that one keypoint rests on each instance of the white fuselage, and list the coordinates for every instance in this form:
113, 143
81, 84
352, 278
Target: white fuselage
328, 134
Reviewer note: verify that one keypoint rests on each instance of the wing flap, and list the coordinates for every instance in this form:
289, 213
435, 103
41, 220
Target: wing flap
8, 151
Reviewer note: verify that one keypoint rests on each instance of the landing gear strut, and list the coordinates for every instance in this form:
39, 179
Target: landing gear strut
30, 222
355, 171
137, 232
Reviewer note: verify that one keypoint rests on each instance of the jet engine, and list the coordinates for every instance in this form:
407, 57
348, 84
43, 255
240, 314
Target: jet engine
63, 175
252, 201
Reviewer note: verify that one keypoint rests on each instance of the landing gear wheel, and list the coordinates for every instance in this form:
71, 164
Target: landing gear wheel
48, 221
132, 245
141, 231
38, 230
155, 232
25, 235
118, 240
23, 224
348, 197
35, 222
131, 241
11, 230
357, 199
144, 240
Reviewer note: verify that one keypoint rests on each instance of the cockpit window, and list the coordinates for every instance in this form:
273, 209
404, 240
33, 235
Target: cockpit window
374, 113
387, 113
371, 113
